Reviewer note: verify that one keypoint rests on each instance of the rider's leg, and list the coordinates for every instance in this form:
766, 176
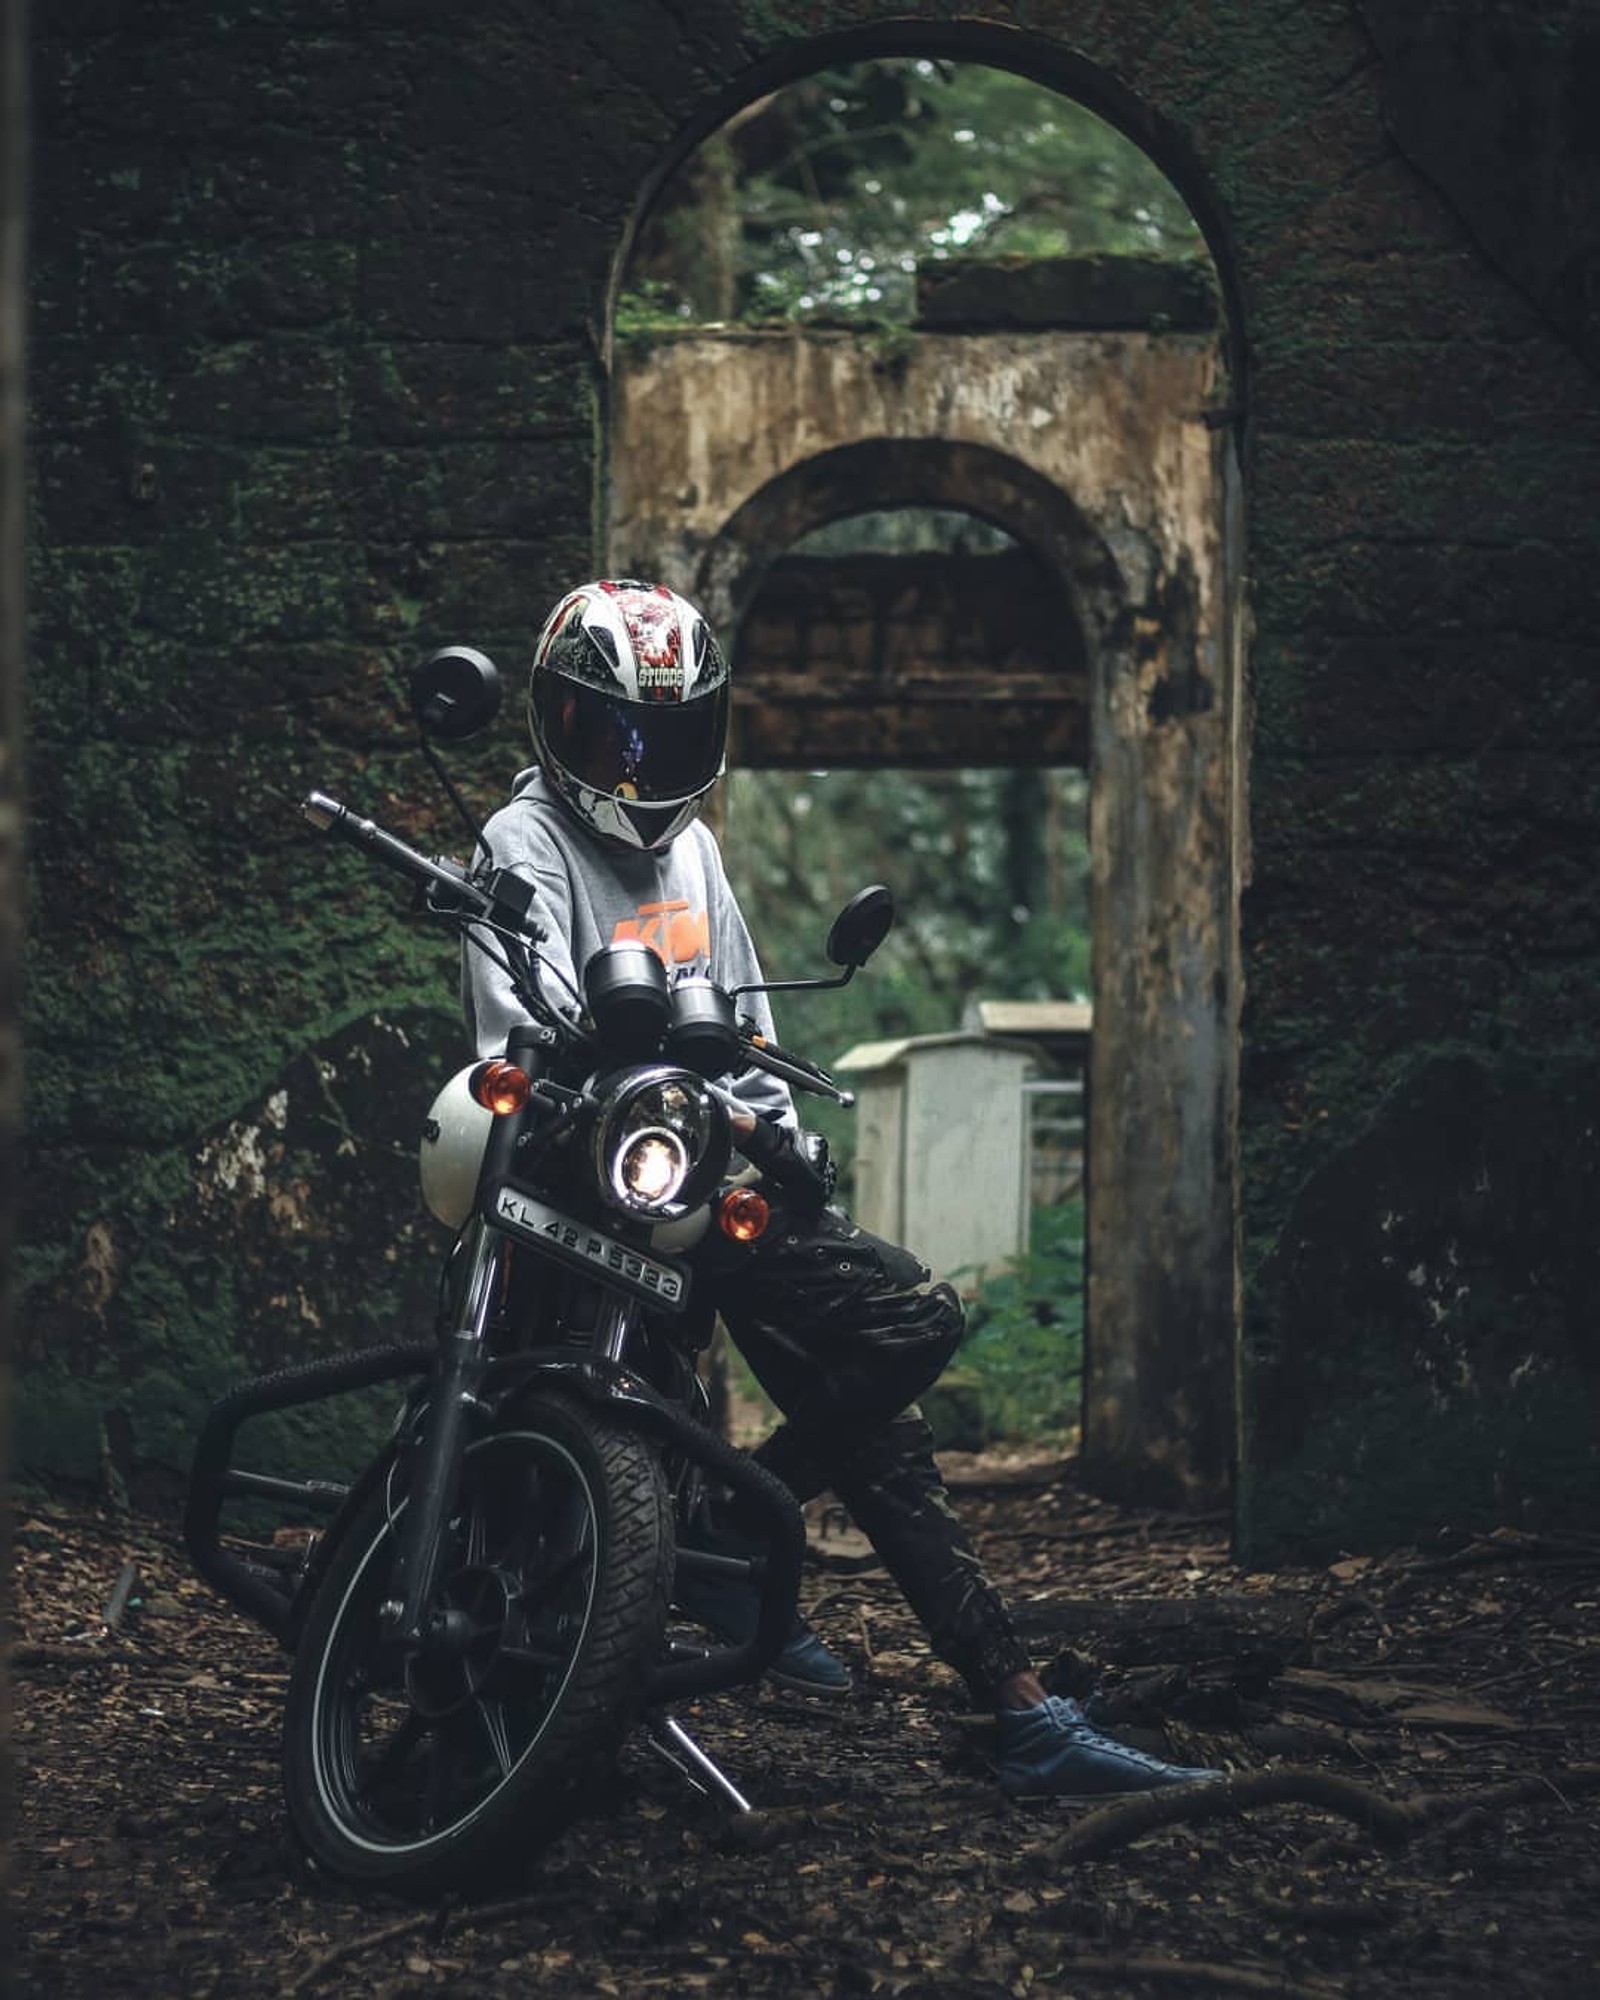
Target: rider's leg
843, 1330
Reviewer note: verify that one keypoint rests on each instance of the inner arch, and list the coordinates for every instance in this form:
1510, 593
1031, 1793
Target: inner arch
883, 473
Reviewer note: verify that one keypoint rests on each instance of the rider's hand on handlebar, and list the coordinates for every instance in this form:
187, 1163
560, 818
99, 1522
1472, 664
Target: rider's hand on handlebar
794, 1161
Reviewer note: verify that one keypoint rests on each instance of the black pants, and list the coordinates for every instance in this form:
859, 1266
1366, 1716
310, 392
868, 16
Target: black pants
843, 1331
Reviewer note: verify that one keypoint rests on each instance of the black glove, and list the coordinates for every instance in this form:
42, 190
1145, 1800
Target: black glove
795, 1162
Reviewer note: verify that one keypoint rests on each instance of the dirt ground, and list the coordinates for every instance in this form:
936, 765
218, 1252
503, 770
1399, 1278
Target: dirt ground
1457, 1681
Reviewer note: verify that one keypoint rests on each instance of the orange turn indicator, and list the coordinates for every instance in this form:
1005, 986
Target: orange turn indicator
743, 1214
501, 1087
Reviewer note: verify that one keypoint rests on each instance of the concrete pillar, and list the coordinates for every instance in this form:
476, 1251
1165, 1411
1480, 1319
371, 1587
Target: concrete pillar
1157, 1421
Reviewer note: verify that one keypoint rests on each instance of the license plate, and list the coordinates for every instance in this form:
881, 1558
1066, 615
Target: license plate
649, 1278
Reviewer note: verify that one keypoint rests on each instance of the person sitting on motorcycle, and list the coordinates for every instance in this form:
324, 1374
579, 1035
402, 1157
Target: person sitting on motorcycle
628, 709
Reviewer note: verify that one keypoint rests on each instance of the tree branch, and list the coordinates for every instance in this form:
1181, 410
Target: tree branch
1392, 1822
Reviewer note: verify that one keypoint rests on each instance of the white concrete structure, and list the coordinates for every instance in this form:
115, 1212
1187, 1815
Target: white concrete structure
941, 1148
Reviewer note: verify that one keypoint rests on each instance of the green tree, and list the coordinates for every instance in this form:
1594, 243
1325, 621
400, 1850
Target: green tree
798, 844
822, 198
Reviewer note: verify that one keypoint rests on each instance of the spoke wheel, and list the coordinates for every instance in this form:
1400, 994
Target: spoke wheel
426, 1769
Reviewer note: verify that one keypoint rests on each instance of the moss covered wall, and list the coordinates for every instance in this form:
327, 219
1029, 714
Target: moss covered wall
313, 389
316, 383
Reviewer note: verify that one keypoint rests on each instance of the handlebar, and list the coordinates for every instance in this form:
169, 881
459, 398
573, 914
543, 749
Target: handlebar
793, 1070
503, 899
329, 816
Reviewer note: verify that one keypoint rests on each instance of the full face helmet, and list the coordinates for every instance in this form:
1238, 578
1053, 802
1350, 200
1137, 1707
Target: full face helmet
628, 708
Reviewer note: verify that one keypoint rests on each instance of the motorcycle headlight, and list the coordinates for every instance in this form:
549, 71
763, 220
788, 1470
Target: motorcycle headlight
661, 1143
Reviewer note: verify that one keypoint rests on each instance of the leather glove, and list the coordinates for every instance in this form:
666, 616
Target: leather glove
796, 1162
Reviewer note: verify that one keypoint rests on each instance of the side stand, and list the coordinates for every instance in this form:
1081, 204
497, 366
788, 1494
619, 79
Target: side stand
673, 1744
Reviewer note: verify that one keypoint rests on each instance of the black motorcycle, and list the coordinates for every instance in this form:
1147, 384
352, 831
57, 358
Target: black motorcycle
485, 1618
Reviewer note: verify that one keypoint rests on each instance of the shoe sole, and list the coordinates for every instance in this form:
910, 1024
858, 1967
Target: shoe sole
817, 1690
774, 1677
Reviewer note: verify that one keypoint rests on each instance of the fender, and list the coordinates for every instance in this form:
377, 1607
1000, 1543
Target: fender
626, 1398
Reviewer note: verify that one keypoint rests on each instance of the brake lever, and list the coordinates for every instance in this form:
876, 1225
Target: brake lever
792, 1069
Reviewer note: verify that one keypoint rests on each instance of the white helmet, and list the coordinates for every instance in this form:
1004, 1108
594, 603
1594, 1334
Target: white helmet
628, 708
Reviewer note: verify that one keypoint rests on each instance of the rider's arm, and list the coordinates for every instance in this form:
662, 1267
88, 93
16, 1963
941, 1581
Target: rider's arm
489, 1000
734, 963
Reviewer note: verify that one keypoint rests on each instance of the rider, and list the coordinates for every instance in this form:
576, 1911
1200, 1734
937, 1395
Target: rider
628, 708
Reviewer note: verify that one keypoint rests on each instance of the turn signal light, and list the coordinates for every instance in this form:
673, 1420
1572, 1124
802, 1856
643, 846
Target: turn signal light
743, 1214
501, 1087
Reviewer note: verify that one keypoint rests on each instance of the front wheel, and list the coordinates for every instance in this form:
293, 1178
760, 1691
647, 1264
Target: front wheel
422, 1770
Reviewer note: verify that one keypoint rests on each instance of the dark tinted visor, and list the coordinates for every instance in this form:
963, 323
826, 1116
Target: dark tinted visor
645, 751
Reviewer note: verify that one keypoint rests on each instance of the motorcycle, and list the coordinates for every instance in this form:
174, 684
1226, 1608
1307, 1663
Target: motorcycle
485, 1619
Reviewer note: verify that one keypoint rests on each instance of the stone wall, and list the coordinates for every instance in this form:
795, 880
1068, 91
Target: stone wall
13, 172
313, 389
319, 300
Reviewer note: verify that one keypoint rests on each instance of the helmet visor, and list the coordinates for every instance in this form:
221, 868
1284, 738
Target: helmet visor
651, 753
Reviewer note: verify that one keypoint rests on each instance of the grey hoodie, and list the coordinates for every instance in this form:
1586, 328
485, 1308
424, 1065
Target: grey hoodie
592, 895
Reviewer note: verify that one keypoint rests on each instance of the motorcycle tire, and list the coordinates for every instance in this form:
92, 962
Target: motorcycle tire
424, 1772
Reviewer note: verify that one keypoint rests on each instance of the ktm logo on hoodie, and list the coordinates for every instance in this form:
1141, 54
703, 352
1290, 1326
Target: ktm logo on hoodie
674, 932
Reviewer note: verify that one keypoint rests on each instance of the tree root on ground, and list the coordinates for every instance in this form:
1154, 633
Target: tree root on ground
1391, 1822
1194, 1976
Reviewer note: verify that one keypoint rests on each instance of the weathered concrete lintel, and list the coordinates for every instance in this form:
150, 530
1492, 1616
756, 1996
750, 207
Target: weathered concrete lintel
1068, 294
837, 736
1109, 428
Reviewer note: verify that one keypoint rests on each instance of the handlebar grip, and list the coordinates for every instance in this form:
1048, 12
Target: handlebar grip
330, 816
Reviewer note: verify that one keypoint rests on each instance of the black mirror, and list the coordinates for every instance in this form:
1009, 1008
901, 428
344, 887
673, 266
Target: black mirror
861, 926
455, 694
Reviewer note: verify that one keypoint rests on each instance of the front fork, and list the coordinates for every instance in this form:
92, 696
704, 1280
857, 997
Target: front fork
405, 1617
436, 1471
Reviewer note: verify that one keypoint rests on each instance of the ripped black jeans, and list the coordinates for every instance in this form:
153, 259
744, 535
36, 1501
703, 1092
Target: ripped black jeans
844, 1331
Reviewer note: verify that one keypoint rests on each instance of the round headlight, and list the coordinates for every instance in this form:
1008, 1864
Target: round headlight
661, 1142
651, 1167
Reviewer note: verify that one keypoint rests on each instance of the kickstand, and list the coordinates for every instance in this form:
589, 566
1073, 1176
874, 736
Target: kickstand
673, 1744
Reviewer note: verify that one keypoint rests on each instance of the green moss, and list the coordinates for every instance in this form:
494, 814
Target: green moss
1364, 1480
59, 1420
1414, 1354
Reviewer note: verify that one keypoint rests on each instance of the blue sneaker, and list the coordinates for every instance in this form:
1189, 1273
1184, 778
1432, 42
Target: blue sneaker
729, 1609
1051, 1752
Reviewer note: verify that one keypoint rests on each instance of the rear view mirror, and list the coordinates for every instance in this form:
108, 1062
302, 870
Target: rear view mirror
455, 694
861, 926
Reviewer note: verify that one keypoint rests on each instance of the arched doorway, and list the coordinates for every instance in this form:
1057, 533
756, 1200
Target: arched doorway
1106, 455
892, 627
864, 714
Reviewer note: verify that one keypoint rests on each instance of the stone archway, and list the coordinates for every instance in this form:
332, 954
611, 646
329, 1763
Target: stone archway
1097, 452
1036, 715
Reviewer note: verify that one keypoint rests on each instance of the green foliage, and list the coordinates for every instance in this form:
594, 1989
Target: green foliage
821, 200
990, 876
651, 307
1024, 1341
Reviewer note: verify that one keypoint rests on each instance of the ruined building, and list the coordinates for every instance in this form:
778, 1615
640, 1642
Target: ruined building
322, 374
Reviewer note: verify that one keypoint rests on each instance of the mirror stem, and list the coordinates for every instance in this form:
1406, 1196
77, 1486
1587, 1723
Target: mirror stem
797, 985
463, 812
